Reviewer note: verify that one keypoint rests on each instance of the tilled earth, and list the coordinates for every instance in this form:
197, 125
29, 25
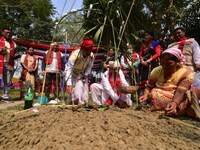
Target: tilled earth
53, 128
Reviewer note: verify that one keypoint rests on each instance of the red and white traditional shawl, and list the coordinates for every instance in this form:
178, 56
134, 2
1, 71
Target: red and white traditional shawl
10, 57
114, 82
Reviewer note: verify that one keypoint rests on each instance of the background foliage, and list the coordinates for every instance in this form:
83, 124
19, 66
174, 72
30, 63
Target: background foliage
29, 19
160, 16
104, 22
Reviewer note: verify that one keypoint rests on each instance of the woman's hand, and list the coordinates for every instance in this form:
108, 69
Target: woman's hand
171, 108
143, 98
144, 63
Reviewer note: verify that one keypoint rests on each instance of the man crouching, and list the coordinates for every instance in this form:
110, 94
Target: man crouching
77, 70
106, 92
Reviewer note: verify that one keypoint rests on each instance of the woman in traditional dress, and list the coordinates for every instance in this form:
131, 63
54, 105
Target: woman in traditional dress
168, 84
149, 58
109, 57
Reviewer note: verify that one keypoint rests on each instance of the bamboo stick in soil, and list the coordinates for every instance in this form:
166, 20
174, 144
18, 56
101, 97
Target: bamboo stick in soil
45, 72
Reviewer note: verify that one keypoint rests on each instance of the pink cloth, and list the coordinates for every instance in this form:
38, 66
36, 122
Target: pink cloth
176, 52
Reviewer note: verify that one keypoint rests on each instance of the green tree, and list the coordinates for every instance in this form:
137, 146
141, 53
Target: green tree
70, 23
191, 20
164, 15
161, 16
29, 19
106, 20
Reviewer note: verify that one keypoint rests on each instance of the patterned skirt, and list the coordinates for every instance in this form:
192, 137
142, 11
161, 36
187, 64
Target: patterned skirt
159, 99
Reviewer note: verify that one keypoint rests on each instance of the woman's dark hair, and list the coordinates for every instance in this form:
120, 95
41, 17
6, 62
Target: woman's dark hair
151, 33
170, 56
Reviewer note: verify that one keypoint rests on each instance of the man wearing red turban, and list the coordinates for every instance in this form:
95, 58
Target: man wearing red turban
77, 69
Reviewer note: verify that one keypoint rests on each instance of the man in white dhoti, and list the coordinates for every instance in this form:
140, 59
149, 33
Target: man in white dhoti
106, 92
77, 69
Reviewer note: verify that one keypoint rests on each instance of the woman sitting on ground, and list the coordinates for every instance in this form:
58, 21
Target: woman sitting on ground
168, 84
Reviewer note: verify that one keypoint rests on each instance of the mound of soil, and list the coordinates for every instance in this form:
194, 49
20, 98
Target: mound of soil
53, 128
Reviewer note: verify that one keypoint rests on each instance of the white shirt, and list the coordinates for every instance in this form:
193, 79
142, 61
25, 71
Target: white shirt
53, 67
107, 86
196, 52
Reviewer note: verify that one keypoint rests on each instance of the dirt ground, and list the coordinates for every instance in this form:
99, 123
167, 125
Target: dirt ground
53, 128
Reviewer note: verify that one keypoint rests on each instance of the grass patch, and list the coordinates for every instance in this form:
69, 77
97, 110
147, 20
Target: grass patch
14, 94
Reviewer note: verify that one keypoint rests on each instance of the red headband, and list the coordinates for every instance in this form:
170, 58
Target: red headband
87, 43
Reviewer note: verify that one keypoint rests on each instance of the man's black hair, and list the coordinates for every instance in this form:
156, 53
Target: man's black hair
179, 28
6, 28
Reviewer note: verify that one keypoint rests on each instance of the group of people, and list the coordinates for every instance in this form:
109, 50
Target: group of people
165, 78
168, 79
75, 71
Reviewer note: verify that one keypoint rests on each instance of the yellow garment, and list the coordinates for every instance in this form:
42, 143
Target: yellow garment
163, 90
31, 79
156, 79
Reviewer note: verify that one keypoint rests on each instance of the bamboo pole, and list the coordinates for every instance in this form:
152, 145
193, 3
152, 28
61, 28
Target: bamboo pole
45, 73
